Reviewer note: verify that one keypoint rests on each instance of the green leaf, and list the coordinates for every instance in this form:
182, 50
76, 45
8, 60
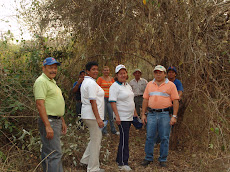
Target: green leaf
217, 130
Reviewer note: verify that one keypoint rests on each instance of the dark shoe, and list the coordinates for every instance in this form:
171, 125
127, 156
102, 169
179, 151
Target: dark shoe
163, 164
145, 163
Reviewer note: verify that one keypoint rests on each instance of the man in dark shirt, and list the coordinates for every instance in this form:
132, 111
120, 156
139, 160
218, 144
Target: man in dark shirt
76, 91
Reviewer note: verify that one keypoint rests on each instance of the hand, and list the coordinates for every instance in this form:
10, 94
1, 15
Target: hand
173, 121
64, 128
80, 80
49, 132
144, 119
100, 123
118, 120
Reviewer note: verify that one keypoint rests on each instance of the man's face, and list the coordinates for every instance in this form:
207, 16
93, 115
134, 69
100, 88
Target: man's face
137, 75
171, 74
82, 75
50, 70
159, 75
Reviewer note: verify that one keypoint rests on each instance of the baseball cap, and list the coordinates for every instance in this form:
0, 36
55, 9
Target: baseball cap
160, 68
50, 61
81, 72
172, 68
137, 70
119, 67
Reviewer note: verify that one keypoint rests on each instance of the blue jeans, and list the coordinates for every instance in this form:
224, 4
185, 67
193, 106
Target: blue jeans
157, 122
109, 111
51, 148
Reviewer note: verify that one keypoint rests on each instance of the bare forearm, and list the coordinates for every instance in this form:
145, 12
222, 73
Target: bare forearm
114, 107
42, 112
76, 87
180, 94
144, 106
175, 107
94, 108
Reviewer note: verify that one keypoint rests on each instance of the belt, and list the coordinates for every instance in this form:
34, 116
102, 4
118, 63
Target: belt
139, 96
159, 110
54, 117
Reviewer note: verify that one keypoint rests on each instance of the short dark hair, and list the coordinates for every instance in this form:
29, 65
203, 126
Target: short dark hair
89, 65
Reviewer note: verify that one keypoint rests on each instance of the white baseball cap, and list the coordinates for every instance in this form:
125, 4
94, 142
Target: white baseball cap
160, 68
119, 67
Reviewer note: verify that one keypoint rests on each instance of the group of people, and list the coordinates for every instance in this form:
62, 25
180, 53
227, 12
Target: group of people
153, 102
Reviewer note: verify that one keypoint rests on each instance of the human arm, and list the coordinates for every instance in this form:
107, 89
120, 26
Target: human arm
175, 111
144, 108
64, 127
42, 113
114, 107
180, 94
76, 87
135, 113
96, 113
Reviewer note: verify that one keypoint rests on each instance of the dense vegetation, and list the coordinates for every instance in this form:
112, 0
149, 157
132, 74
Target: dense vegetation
191, 35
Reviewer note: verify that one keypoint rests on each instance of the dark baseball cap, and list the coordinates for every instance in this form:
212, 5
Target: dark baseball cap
81, 72
50, 61
172, 68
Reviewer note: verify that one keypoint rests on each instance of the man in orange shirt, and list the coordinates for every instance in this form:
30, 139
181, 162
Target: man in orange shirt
158, 97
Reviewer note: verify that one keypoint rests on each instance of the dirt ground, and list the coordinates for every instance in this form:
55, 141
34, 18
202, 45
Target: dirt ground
181, 160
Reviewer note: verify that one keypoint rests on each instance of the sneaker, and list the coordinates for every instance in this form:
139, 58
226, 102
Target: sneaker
145, 163
163, 164
117, 133
125, 168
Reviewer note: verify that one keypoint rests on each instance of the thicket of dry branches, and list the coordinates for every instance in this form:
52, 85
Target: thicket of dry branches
191, 35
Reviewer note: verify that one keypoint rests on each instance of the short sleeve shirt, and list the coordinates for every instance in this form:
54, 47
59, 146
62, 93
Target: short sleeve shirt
46, 89
160, 97
178, 84
138, 87
90, 90
122, 94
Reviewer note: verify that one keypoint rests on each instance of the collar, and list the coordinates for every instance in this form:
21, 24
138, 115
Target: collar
52, 80
166, 80
121, 83
89, 78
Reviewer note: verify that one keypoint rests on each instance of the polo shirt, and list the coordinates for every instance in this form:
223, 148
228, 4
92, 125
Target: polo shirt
122, 94
90, 90
160, 97
46, 89
178, 84
138, 87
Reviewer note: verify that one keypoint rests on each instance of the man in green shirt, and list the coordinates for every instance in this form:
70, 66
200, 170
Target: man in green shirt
51, 107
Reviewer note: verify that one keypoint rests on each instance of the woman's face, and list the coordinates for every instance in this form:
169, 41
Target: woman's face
122, 75
106, 72
93, 72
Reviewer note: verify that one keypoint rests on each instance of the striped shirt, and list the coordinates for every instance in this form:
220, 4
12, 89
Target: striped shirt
160, 97
105, 85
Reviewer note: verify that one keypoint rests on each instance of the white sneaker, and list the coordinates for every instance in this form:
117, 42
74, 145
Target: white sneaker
125, 168
117, 133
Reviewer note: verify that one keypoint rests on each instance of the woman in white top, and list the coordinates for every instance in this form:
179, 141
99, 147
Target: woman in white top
121, 98
92, 113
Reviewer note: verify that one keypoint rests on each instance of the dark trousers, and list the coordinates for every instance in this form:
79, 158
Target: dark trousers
123, 147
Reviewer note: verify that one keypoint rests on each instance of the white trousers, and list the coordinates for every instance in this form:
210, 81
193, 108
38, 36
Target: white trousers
92, 152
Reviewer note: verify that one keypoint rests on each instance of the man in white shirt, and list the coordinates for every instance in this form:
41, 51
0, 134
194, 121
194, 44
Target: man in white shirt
138, 85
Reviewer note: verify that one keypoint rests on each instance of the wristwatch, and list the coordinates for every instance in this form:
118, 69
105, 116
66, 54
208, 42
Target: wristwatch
175, 116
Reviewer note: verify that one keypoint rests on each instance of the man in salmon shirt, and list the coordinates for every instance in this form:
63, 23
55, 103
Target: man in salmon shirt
158, 97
